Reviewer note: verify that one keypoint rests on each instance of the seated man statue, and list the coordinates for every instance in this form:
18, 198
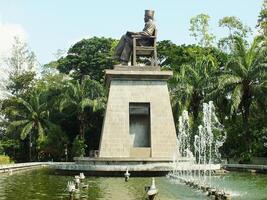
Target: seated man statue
123, 50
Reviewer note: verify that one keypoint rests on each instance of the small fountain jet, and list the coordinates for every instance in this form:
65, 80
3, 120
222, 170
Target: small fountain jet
71, 189
152, 191
82, 177
127, 175
77, 181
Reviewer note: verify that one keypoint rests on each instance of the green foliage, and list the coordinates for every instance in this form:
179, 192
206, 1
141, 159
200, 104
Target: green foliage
199, 28
235, 26
262, 20
245, 158
78, 147
87, 57
54, 144
242, 80
31, 117
22, 64
236, 29
21, 83
79, 96
4, 159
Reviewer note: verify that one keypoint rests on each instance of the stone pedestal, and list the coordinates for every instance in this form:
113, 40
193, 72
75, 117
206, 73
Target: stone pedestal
138, 121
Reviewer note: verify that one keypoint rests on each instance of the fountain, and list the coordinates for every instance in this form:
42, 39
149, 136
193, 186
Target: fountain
77, 181
71, 189
196, 169
127, 175
152, 191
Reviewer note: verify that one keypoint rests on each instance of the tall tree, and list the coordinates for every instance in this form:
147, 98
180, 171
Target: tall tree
31, 116
87, 57
87, 94
235, 28
188, 87
22, 67
243, 76
199, 28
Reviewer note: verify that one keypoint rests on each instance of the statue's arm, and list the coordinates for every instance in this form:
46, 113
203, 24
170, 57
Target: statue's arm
148, 29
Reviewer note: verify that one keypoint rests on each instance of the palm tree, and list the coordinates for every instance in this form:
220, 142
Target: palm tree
244, 76
188, 87
31, 115
88, 93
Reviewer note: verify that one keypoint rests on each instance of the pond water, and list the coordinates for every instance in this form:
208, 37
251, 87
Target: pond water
43, 184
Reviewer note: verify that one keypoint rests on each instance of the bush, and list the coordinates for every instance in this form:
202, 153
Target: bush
245, 158
54, 144
78, 147
4, 159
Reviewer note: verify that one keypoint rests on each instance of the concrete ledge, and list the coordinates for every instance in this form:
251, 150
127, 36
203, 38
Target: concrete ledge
136, 68
119, 168
246, 167
136, 75
21, 166
103, 167
122, 159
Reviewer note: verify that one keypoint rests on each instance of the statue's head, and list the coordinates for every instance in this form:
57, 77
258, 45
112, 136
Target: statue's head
149, 14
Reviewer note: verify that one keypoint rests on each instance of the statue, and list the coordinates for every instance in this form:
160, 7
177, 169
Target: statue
124, 48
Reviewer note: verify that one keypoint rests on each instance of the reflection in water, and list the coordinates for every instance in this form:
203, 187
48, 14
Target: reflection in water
44, 185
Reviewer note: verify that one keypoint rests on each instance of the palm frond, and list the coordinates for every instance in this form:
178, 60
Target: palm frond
25, 104
26, 130
86, 103
18, 123
228, 79
41, 132
236, 98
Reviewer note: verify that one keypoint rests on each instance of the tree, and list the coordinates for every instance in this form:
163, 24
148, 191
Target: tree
188, 87
31, 116
87, 57
88, 93
262, 20
199, 28
22, 66
244, 75
235, 28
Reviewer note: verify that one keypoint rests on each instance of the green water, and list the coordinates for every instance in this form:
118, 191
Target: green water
43, 184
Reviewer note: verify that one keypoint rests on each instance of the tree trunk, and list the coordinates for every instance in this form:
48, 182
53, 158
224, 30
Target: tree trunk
246, 111
81, 128
30, 147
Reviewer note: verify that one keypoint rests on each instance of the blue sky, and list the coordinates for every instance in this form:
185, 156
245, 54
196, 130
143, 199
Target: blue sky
49, 25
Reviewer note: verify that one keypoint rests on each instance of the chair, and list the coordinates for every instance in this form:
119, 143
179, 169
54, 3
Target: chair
146, 51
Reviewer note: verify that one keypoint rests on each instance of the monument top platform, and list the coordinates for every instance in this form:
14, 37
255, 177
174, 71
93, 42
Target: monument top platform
136, 68
136, 73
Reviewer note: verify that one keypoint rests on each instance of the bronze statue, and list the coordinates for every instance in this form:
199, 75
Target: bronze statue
124, 48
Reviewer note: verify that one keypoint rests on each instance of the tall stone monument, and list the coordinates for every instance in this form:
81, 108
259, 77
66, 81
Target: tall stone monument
138, 121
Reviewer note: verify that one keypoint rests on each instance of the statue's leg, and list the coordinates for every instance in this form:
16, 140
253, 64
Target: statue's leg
119, 48
126, 53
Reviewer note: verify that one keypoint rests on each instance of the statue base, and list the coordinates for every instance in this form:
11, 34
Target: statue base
138, 121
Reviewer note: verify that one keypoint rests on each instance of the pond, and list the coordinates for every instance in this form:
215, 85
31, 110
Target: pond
43, 184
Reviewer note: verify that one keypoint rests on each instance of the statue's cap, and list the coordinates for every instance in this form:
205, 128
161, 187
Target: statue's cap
150, 13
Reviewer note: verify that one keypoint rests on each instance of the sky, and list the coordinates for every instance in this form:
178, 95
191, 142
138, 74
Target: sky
50, 25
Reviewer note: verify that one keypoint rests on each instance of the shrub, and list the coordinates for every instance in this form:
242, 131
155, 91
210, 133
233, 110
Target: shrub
4, 159
78, 147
